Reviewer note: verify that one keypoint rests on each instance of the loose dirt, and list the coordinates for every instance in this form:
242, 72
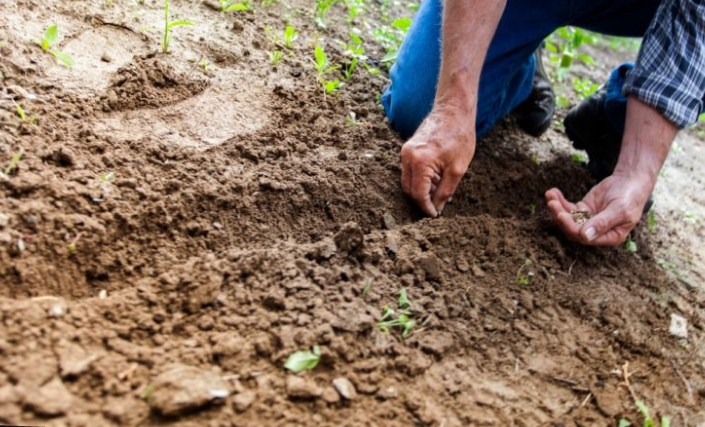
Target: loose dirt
172, 234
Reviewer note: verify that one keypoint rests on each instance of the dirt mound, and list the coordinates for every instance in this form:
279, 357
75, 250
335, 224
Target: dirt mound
153, 81
160, 258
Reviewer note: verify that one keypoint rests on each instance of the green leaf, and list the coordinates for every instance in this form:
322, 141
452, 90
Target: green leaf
180, 23
651, 221
402, 24
623, 422
63, 58
321, 58
239, 7
51, 35
630, 246
404, 299
665, 422
14, 161
566, 59
20, 112
331, 86
303, 360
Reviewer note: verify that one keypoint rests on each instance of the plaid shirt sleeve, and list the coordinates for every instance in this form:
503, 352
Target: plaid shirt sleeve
670, 71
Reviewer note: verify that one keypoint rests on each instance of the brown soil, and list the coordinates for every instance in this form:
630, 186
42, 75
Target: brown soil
246, 220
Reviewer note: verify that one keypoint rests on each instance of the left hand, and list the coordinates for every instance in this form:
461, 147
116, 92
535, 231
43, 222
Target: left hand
615, 205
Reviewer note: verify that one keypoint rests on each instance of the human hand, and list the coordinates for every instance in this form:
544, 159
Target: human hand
435, 159
615, 206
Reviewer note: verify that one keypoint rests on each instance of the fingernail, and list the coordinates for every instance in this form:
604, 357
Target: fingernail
590, 233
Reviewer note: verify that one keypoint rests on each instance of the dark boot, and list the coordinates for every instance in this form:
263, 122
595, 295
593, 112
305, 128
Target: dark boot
588, 127
535, 114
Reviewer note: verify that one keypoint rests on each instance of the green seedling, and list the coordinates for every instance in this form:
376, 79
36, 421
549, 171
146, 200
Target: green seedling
230, 6
14, 162
525, 277
401, 318
651, 221
303, 360
290, 36
170, 25
148, 393
21, 112
630, 245
366, 288
49, 39
322, 8
355, 9
649, 421
579, 158
275, 57
391, 37
323, 67
205, 65
584, 87
563, 47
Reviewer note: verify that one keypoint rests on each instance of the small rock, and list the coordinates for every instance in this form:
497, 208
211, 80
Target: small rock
73, 359
350, 238
183, 388
106, 58
301, 388
462, 265
330, 395
392, 244
388, 392
4, 220
57, 310
679, 326
477, 271
430, 265
345, 388
437, 343
244, 400
50, 400
389, 222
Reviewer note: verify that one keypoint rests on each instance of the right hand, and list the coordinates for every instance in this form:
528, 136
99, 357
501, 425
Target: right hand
435, 159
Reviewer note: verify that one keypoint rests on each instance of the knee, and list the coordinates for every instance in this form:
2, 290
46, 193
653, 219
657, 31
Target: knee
404, 110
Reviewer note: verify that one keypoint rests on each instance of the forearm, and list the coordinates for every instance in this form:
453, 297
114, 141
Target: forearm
468, 28
647, 139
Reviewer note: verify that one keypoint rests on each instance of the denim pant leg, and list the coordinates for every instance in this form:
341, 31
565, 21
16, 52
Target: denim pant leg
508, 70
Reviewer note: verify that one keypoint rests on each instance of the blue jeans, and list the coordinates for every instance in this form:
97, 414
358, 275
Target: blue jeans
507, 73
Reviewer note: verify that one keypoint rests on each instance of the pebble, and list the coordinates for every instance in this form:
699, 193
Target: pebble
50, 400
330, 395
302, 388
477, 271
244, 400
182, 388
431, 266
679, 326
345, 388
4, 220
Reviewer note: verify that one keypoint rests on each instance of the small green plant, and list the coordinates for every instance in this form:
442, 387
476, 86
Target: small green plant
322, 8
275, 57
649, 421
14, 161
49, 40
564, 45
323, 67
290, 36
231, 6
205, 65
525, 277
402, 318
579, 158
303, 360
391, 37
21, 112
630, 245
584, 87
170, 25
651, 221
355, 9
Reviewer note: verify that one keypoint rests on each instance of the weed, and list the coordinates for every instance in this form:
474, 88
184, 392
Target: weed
49, 39
356, 52
303, 360
205, 65
563, 47
401, 318
584, 87
367, 288
355, 9
290, 36
170, 25
230, 6
391, 38
23, 115
525, 277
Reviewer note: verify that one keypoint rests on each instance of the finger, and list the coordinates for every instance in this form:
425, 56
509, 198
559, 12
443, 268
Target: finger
421, 193
564, 220
406, 176
436, 178
556, 194
446, 188
607, 228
